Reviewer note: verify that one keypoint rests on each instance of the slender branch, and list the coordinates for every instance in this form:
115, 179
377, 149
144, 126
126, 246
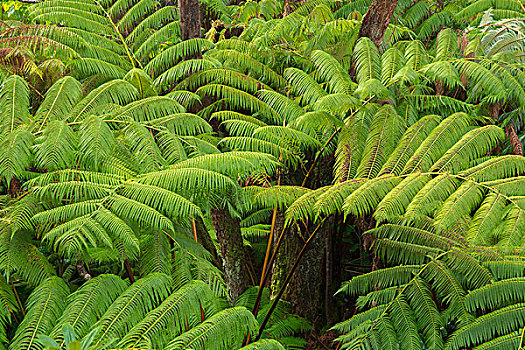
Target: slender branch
115, 28
18, 299
266, 265
287, 280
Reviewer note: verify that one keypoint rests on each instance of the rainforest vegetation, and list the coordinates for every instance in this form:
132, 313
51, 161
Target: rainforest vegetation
262, 174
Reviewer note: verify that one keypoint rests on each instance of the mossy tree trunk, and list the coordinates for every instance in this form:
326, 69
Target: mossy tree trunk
190, 19
376, 20
231, 251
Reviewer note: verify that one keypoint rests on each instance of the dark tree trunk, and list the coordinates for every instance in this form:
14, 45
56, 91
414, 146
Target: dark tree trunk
517, 147
204, 238
307, 289
14, 187
231, 251
377, 19
129, 271
190, 19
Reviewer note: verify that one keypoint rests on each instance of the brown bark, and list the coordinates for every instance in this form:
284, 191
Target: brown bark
377, 19
517, 147
129, 271
203, 237
82, 271
231, 251
14, 187
307, 291
190, 19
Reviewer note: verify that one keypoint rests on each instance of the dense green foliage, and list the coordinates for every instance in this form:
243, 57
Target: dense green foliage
281, 182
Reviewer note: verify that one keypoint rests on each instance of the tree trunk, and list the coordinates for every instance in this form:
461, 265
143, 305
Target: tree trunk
517, 147
377, 19
190, 19
306, 290
231, 251
204, 238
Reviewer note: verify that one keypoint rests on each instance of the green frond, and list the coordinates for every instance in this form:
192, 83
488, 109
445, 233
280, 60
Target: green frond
396, 201
394, 252
143, 146
415, 55
264, 344
350, 145
413, 235
385, 131
244, 62
402, 318
337, 104
16, 156
392, 62
180, 311
152, 42
507, 342
469, 271
444, 136
331, 202
430, 197
380, 279
193, 183
134, 14
178, 72
58, 147
486, 219
141, 81
443, 72
147, 109
241, 143
474, 144
368, 62
276, 196
287, 137
237, 322
44, 307
233, 164
138, 212
484, 328
286, 108
304, 85
169, 57
14, 104
446, 286
166, 202
507, 268
459, 205
478, 75
183, 124
187, 99
61, 97
497, 168
331, 71
87, 304
25, 259
155, 253
496, 295
132, 306
239, 99
222, 76
429, 320
116, 91
88, 67
409, 143
161, 18
96, 141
